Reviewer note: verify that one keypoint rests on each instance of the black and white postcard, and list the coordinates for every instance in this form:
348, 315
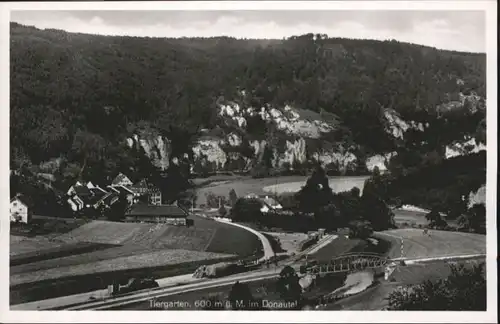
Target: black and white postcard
201, 158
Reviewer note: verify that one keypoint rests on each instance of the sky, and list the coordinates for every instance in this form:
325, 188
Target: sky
452, 30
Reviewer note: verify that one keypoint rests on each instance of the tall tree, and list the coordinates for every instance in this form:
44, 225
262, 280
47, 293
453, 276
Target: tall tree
288, 286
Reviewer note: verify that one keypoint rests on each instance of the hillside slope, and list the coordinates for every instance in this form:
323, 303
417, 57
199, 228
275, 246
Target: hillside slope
87, 106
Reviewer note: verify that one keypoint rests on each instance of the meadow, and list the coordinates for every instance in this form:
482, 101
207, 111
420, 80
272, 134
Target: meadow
276, 185
131, 245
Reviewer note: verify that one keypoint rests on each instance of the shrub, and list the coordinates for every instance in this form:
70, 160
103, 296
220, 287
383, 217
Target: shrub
360, 229
308, 243
246, 210
213, 200
222, 211
259, 171
288, 201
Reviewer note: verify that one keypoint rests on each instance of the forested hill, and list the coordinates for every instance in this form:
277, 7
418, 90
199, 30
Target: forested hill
87, 100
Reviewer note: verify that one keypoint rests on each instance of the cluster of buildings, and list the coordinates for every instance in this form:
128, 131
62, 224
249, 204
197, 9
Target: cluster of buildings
83, 196
145, 200
268, 203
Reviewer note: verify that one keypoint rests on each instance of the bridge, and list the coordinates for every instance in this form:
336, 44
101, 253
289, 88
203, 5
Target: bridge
350, 262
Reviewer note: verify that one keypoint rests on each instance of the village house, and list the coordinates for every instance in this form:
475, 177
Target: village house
85, 196
168, 214
109, 199
269, 204
147, 190
124, 191
19, 210
154, 196
81, 196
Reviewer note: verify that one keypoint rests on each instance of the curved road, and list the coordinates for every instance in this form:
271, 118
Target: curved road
268, 250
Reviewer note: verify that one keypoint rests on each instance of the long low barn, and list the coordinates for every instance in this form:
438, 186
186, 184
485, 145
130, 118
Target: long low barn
168, 214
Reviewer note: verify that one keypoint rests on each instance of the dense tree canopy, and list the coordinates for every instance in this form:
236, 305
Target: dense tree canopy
77, 97
464, 289
63, 84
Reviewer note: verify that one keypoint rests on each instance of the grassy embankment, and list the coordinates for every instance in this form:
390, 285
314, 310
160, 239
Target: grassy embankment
136, 250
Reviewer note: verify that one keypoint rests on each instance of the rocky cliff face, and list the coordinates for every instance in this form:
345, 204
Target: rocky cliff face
156, 147
298, 126
213, 150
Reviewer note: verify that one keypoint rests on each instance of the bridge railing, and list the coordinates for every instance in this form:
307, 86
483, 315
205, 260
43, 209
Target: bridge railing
348, 262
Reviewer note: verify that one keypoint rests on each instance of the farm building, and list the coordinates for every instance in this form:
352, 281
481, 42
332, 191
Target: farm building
19, 210
269, 204
143, 188
169, 214
88, 196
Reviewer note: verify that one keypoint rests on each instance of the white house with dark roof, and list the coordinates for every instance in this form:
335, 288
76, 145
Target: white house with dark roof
268, 203
19, 210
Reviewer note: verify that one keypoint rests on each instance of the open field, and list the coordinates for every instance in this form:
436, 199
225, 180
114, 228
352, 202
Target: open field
439, 243
46, 226
217, 178
338, 184
205, 235
245, 185
404, 216
22, 244
136, 246
157, 250
56, 252
414, 217
152, 259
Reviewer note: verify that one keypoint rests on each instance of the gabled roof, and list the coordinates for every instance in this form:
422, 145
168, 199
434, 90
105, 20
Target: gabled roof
123, 190
143, 184
22, 199
96, 195
98, 191
99, 188
157, 210
121, 179
82, 191
113, 189
109, 199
